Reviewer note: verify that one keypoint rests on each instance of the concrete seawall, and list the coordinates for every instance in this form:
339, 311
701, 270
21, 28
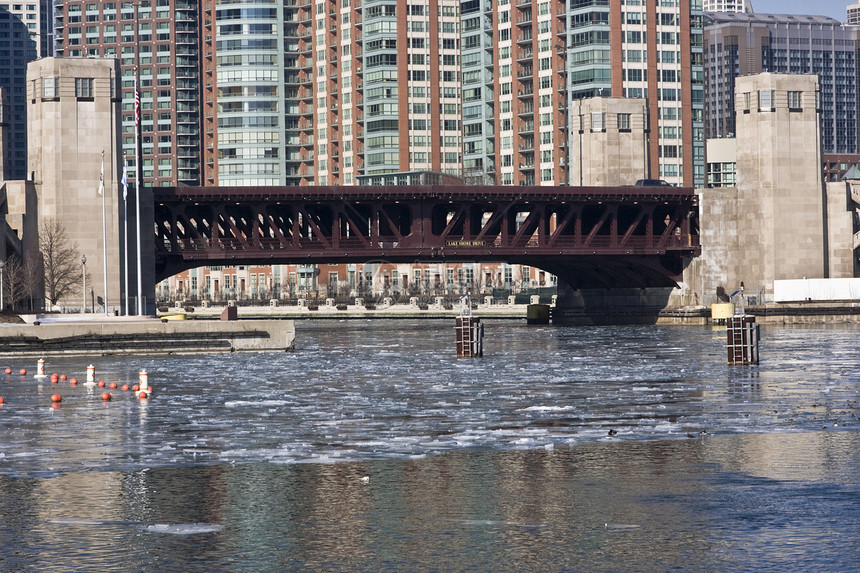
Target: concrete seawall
295, 312
148, 336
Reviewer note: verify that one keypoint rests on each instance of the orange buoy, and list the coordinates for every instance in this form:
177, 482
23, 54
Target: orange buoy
125, 387
1, 400
54, 380
56, 398
23, 371
63, 377
112, 385
136, 387
73, 381
106, 396
8, 371
101, 383
143, 395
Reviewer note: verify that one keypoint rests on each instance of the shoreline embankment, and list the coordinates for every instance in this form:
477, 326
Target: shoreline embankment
103, 336
267, 329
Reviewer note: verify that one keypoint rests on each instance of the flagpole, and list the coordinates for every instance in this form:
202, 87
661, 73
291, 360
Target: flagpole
138, 187
104, 230
138, 168
125, 228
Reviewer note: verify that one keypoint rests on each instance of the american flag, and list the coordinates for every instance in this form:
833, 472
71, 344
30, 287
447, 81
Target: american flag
102, 176
136, 106
124, 181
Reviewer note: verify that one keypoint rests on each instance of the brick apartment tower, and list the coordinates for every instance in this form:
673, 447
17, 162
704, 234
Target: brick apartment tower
162, 39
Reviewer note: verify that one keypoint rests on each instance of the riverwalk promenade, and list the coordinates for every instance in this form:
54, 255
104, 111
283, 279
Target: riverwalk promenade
185, 329
95, 334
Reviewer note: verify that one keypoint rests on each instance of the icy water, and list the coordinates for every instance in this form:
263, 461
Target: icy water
373, 448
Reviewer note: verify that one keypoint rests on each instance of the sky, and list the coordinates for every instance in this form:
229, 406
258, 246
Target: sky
832, 8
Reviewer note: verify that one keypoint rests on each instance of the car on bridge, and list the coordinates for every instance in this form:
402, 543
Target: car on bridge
652, 183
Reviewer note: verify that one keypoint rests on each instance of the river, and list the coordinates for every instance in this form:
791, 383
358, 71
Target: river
373, 448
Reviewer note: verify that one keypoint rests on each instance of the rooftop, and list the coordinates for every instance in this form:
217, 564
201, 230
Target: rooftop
715, 18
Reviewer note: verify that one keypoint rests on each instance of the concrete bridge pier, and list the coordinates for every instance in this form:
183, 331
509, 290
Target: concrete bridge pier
602, 306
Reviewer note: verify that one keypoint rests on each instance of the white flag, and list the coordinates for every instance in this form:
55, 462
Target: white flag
124, 181
102, 177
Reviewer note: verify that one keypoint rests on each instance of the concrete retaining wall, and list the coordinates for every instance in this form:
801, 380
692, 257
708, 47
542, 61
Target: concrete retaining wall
146, 337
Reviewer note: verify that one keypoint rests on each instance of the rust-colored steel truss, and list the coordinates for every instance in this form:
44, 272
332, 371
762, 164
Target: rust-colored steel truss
588, 236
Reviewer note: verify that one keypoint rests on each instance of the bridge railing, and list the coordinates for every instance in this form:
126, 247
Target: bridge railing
567, 243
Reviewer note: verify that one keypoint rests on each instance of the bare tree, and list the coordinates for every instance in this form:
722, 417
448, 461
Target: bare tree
61, 260
34, 279
14, 279
22, 280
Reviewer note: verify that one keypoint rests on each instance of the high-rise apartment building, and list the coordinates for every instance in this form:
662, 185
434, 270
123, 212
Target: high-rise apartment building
257, 57
726, 5
514, 105
324, 92
525, 62
340, 92
158, 43
745, 44
25, 35
650, 50
853, 14
4, 134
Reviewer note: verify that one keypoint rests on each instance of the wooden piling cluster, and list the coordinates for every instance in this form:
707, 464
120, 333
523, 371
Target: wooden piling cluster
742, 336
470, 337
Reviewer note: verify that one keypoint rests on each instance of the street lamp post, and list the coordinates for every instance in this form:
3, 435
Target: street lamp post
2, 268
84, 267
92, 301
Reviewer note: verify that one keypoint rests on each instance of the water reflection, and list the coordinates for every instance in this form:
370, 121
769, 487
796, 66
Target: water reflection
737, 502
434, 463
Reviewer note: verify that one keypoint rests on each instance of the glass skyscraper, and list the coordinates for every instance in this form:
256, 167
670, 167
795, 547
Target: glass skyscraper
743, 44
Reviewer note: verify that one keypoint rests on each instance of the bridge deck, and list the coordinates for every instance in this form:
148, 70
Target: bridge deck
571, 230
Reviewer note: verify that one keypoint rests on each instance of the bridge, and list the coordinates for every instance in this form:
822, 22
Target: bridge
589, 237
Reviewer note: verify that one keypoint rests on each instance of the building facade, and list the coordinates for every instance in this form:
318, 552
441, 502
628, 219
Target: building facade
726, 6
258, 285
747, 44
779, 190
648, 50
779, 221
25, 35
853, 14
73, 117
335, 92
610, 141
157, 43
324, 92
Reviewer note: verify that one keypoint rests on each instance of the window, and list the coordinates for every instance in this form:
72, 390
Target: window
765, 100
597, 121
794, 101
84, 88
624, 122
50, 87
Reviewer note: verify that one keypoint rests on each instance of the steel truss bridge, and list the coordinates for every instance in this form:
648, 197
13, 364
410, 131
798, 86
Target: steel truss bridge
590, 237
